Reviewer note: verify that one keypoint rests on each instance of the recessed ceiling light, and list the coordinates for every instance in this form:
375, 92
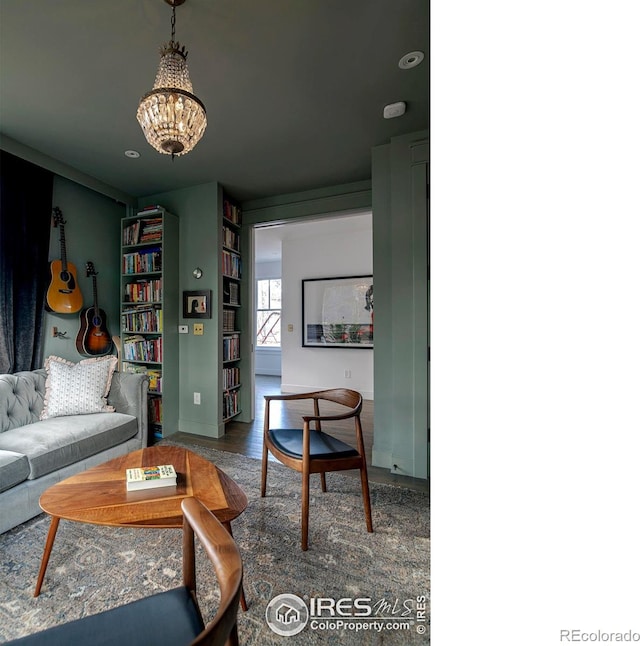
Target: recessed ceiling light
133, 154
412, 59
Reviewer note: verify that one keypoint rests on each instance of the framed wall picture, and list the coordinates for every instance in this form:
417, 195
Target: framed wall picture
337, 312
196, 305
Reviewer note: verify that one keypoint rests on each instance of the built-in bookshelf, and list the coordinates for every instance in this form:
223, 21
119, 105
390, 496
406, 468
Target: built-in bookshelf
231, 270
149, 311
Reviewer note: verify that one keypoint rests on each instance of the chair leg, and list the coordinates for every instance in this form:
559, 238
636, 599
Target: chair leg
366, 499
305, 512
243, 600
233, 637
265, 461
323, 482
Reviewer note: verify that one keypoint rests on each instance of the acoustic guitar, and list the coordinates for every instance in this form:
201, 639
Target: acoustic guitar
64, 295
93, 337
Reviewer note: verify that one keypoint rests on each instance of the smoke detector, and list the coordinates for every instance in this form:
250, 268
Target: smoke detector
394, 110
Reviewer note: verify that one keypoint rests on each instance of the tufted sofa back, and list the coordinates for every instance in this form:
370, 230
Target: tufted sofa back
21, 398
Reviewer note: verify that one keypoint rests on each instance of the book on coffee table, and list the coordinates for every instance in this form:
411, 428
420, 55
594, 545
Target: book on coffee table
151, 477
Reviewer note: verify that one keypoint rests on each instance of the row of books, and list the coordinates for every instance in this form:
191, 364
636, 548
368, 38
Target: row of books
137, 348
151, 230
231, 264
230, 378
230, 403
155, 376
142, 262
231, 347
228, 320
231, 212
230, 239
231, 293
150, 209
141, 231
143, 291
143, 318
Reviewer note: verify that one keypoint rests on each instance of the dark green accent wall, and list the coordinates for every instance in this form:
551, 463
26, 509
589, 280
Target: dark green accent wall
198, 209
93, 234
397, 196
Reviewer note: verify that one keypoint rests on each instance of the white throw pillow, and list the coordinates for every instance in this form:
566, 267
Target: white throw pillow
77, 388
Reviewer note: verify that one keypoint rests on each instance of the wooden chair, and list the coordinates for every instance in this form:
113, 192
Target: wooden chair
171, 617
311, 450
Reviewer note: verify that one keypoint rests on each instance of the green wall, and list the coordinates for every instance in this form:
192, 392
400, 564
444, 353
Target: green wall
401, 384
397, 195
197, 209
92, 234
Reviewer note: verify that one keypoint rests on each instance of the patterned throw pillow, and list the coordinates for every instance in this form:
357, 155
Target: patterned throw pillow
77, 388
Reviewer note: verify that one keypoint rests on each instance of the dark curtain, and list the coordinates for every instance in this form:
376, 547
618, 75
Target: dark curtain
26, 194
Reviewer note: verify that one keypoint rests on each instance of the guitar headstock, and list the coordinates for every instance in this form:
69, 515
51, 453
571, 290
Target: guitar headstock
91, 270
58, 217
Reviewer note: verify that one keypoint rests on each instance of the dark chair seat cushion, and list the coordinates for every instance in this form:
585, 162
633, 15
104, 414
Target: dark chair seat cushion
321, 445
166, 618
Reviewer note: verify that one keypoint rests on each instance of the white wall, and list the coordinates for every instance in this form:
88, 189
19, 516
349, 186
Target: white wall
322, 249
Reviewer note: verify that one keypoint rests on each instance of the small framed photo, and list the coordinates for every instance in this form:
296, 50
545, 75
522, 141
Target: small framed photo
196, 305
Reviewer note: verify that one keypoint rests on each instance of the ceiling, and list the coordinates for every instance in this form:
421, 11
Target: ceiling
294, 89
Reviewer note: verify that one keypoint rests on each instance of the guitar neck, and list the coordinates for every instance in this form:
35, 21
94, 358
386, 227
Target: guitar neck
63, 248
95, 294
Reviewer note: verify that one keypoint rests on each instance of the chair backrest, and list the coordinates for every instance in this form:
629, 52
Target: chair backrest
344, 396
225, 558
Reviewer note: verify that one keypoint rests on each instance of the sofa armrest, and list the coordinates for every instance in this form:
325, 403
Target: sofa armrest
128, 395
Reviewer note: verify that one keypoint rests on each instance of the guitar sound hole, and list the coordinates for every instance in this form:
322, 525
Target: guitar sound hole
97, 319
67, 277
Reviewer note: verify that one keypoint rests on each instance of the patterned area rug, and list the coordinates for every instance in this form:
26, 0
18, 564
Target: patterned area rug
94, 568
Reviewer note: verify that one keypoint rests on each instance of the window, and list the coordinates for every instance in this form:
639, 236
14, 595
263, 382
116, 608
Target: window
268, 312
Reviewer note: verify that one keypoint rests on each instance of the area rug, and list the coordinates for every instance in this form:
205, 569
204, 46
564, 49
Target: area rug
382, 578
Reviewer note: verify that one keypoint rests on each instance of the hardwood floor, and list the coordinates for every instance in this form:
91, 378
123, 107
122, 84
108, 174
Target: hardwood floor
246, 439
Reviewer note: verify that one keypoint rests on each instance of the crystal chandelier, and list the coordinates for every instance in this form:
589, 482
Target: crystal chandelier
172, 118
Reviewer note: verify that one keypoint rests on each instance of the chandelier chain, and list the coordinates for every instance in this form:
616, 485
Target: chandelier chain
173, 23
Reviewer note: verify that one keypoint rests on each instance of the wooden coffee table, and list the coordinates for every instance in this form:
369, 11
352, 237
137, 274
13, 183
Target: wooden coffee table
99, 496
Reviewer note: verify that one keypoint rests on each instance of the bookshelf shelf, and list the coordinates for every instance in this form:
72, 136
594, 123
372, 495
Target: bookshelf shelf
149, 298
231, 271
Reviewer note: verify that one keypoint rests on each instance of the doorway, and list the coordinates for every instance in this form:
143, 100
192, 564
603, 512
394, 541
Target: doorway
283, 255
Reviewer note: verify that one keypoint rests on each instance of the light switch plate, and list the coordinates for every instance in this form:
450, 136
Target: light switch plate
198, 329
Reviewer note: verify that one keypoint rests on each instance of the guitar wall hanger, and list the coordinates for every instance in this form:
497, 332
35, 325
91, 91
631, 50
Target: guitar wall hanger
57, 334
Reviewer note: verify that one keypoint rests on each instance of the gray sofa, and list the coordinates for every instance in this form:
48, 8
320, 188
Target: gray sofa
36, 454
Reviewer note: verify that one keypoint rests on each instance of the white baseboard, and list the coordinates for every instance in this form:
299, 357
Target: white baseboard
269, 373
